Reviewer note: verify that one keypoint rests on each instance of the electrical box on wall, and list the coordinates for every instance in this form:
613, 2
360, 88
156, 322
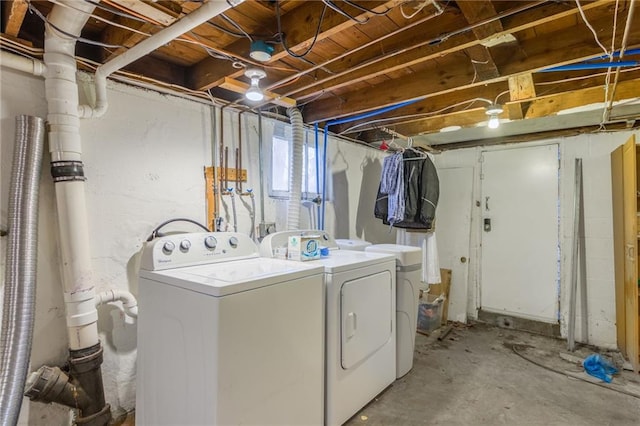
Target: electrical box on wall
266, 228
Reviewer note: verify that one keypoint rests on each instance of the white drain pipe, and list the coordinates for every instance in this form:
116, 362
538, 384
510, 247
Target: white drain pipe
67, 170
187, 23
20, 63
65, 146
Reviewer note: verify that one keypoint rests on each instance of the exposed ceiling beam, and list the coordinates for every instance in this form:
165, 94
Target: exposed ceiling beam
14, 12
299, 25
427, 51
521, 87
574, 47
552, 104
480, 56
541, 106
530, 137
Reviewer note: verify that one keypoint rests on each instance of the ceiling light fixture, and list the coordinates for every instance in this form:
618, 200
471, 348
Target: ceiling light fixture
254, 93
493, 111
260, 51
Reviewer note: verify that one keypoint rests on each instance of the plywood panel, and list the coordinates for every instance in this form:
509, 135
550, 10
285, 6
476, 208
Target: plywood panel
631, 253
617, 195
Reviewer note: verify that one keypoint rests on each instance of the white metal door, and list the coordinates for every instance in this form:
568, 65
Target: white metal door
519, 269
453, 228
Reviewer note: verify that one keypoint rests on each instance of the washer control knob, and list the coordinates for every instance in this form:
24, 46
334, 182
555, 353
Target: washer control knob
233, 242
185, 245
168, 247
210, 242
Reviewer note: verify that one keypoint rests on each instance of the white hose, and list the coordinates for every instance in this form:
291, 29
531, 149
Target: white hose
295, 175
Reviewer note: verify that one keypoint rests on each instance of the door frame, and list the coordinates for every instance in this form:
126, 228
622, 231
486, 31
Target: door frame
559, 216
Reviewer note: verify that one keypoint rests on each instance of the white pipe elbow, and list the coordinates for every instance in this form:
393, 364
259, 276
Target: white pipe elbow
101, 104
129, 302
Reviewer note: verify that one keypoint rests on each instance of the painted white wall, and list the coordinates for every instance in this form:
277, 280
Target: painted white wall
595, 150
144, 162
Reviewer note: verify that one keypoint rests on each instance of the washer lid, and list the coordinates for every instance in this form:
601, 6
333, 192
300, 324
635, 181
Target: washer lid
406, 255
352, 244
226, 278
345, 260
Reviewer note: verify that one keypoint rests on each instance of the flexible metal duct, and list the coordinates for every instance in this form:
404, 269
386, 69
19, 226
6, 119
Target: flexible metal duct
295, 175
20, 274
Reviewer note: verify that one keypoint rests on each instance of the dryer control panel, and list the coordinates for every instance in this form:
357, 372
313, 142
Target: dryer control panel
179, 250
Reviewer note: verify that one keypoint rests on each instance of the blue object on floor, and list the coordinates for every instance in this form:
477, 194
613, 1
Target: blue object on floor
599, 367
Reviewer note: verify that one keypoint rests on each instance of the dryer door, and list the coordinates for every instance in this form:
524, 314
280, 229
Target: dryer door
366, 312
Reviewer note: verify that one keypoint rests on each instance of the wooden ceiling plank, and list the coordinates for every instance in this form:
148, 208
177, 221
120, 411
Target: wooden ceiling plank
482, 62
241, 87
521, 87
357, 102
552, 104
540, 107
476, 11
300, 27
14, 13
460, 100
425, 51
145, 9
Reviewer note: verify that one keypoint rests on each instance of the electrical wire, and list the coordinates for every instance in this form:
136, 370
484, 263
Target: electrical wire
418, 9
235, 24
32, 9
156, 232
595, 35
345, 14
573, 376
364, 9
469, 103
282, 35
101, 19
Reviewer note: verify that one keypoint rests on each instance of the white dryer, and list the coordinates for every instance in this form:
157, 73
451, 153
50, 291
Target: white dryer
226, 337
360, 323
408, 279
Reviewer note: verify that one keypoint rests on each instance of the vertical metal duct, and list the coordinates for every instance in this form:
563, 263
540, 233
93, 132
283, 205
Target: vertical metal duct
295, 175
20, 275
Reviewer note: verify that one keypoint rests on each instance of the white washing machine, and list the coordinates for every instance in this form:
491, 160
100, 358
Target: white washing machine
360, 328
352, 244
226, 337
408, 278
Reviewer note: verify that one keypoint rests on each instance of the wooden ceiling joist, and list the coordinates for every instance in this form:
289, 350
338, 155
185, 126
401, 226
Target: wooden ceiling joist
581, 47
299, 26
13, 12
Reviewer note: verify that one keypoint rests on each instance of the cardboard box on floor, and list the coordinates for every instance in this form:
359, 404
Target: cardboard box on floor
442, 288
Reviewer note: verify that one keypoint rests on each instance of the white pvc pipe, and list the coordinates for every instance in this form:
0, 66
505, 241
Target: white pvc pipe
187, 23
129, 302
22, 64
64, 144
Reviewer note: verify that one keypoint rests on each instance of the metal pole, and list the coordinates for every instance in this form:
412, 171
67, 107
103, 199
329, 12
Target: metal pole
577, 196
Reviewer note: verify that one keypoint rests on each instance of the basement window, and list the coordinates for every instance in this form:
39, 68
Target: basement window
281, 147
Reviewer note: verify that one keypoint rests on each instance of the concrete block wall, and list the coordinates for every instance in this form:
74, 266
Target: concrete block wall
595, 150
144, 162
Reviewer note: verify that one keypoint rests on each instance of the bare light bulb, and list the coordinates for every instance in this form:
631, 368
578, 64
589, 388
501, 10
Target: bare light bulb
493, 111
254, 93
494, 122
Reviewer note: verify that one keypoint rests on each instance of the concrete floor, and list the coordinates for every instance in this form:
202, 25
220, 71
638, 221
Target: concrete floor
473, 377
